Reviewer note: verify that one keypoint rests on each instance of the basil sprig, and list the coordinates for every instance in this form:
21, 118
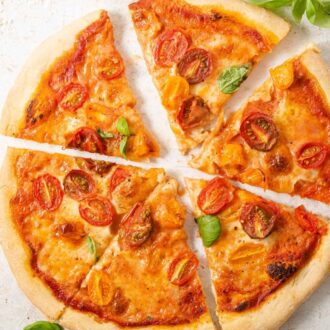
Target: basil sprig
104, 135
231, 78
92, 247
123, 129
209, 228
317, 11
43, 325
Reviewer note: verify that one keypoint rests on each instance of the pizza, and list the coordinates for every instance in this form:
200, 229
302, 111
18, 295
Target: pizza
280, 139
101, 241
265, 258
73, 92
198, 54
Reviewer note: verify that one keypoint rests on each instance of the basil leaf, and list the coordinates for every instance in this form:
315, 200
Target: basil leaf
122, 126
317, 14
104, 135
122, 146
92, 246
271, 4
326, 5
298, 9
209, 228
43, 325
231, 78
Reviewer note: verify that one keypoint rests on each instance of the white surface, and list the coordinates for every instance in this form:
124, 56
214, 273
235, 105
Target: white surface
26, 23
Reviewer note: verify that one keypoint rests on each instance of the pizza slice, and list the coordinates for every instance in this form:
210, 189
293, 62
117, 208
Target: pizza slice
73, 92
148, 275
59, 214
198, 54
265, 258
280, 139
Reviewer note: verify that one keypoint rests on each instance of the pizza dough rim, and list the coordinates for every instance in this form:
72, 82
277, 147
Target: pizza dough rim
16, 250
261, 17
298, 288
35, 66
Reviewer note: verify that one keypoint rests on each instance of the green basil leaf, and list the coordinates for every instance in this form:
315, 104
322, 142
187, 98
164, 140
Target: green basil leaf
317, 14
298, 9
104, 135
209, 228
231, 78
122, 126
92, 246
43, 325
271, 4
326, 5
122, 146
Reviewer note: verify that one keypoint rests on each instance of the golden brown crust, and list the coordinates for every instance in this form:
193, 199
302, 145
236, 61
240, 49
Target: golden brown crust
272, 313
39, 61
17, 252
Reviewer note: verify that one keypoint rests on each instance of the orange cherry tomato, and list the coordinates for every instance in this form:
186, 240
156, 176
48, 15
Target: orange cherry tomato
72, 97
48, 192
215, 196
79, 185
183, 268
174, 92
110, 67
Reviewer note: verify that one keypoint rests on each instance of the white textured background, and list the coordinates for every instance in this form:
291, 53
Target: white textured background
26, 23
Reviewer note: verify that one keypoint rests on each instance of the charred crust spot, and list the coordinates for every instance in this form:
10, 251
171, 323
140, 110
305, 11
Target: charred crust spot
242, 306
280, 271
279, 163
215, 16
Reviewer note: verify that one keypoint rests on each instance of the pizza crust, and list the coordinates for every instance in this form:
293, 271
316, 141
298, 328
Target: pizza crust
257, 17
75, 320
38, 63
16, 250
281, 304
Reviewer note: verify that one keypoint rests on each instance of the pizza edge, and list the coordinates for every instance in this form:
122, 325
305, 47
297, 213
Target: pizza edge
281, 304
313, 62
35, 66
16, 250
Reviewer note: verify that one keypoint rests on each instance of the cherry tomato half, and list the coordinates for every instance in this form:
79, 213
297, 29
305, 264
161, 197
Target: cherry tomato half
48, 192
312, 155
215, 196
137, 226
171, 47
195, 65
183, 268
259, 132
307, 221
99, 167
258, 219
193, 112
79, 185
72, 97
86, 139
110, 67
97, 211
118, 177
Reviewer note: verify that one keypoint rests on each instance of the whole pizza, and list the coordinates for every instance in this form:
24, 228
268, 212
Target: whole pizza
102, 243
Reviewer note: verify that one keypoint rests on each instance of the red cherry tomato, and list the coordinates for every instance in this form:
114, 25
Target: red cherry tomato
258, 219
136, 227
110, 67
72, 97
97, 211
48, 192
259, 131
215, 196
312, 155
195, 65
99, 167
193, 112
171, 47
183, 268
118, 177
86, 139
79, 185
307, 221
